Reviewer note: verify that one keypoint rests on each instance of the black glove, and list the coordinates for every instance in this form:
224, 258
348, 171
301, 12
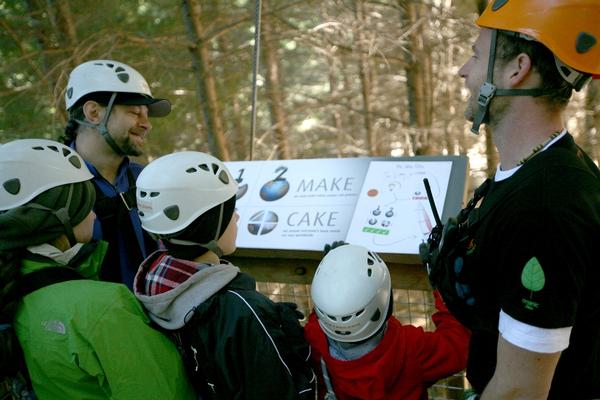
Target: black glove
328, 247
293, 307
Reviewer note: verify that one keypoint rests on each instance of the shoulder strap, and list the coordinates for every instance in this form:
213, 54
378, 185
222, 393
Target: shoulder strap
107, 205
45, 277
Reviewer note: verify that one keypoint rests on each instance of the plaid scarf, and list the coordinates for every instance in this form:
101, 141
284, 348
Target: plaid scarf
167, 273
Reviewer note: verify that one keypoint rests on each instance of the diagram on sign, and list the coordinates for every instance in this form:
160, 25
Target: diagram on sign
392, 213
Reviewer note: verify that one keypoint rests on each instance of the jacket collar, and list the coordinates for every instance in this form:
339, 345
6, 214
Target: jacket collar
87, 261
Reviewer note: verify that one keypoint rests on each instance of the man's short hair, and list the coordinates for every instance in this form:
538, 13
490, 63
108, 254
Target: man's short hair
556, 91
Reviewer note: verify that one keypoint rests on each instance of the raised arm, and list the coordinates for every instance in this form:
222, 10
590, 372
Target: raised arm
445, 350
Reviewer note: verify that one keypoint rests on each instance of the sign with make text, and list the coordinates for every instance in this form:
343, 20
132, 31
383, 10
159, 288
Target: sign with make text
380, 203
296, 204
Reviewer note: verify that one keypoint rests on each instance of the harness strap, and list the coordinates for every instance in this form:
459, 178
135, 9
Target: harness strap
114, 216
106, 206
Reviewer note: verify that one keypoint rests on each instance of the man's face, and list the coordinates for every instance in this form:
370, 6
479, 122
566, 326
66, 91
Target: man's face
474, 71
129, 126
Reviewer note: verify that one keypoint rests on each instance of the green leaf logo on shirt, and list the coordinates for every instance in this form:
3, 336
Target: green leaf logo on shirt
534, 279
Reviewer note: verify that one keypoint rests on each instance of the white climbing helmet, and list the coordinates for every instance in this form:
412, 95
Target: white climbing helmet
111, 76
29, 167
351, 293
174, 190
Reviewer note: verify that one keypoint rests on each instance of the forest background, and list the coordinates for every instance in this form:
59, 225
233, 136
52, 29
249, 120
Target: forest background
336, 78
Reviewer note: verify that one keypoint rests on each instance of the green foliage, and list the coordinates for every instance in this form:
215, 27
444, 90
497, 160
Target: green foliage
319, 45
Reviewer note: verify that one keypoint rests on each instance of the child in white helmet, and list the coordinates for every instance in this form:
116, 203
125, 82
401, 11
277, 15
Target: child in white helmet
79, 338
237, 343
363, 351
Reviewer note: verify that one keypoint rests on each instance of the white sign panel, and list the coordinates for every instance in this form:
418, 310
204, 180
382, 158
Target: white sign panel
296, 204
392, 214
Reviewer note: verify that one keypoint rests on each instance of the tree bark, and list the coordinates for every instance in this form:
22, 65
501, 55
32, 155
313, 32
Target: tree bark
274, 87
418, 76
365, 78
336, 118
205, 80
61, 19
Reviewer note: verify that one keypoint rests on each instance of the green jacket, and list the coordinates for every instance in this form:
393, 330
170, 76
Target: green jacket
86, 339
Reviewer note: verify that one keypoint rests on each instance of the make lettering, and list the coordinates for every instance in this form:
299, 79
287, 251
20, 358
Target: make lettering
326, 185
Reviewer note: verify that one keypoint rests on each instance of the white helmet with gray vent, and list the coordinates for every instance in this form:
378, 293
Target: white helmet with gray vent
351, 293
32, 166
174, 190
111, 76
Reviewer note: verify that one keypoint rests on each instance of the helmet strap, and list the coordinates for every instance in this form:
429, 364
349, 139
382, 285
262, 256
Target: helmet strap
213, 245
62, 214
488, 90
103, 128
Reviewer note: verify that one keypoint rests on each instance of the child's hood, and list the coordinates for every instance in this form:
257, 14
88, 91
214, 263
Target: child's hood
173, 308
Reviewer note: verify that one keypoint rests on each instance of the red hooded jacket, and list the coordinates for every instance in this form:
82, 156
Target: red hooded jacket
405, 363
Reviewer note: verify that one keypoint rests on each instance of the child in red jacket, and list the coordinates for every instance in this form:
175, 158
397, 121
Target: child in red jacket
363, 351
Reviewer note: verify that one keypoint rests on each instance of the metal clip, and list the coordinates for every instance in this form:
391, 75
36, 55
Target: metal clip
124, 201
486, 92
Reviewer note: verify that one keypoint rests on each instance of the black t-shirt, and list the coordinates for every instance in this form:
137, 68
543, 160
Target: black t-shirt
536, 257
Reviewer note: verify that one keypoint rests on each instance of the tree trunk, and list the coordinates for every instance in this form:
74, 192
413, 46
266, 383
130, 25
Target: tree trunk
336, 118
61, 19
206, 86
274, 87
418, 75
365, 75
240, 142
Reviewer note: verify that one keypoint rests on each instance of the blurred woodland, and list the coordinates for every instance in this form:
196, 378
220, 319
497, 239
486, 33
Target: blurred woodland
336, 78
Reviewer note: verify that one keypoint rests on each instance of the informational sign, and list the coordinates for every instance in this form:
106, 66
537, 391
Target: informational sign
393, 214
380, 203
296, 204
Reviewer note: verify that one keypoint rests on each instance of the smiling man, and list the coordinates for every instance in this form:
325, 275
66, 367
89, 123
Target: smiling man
109, 105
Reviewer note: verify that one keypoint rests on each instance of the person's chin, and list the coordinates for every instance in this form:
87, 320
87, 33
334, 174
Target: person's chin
133, 148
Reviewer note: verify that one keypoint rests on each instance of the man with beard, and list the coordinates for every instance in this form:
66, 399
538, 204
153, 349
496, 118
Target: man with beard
522, 269
109, 104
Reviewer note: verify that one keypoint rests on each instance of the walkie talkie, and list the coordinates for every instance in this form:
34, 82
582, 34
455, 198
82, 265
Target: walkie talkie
433, 241
434, 210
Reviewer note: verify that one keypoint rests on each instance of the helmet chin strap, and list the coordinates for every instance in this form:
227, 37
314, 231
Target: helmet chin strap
62, 215
103, 129
213, 245
488, 90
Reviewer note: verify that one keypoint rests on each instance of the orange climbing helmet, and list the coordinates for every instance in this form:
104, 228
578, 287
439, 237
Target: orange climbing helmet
569, 28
